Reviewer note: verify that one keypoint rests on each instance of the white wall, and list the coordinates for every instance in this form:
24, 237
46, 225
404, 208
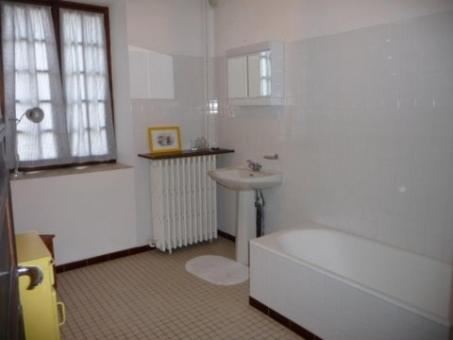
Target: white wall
239, 22
365, 140
174, 29
109, 222
124, 122
91, 214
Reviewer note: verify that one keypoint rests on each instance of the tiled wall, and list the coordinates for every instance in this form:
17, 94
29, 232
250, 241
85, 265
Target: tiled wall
174, 32
366, 137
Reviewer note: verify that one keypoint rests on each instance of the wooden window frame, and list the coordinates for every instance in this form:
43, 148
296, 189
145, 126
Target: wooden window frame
55, 7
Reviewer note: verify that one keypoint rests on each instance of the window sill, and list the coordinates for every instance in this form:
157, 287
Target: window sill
76, 170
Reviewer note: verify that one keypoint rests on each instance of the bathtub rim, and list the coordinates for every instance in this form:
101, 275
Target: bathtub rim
270, 243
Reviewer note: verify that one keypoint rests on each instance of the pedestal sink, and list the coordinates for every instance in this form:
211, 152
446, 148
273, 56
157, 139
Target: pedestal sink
245, 182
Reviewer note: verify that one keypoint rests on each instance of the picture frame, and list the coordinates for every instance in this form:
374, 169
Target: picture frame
164, 139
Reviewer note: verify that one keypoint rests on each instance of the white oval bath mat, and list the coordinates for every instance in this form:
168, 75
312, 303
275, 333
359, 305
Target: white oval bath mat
218, 270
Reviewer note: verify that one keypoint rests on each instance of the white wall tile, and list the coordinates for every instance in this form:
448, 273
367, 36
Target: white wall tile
365, 145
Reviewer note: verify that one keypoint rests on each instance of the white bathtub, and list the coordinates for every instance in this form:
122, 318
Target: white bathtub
340, 286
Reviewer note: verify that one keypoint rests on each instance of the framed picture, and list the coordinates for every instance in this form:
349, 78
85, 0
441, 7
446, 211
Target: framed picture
164, 139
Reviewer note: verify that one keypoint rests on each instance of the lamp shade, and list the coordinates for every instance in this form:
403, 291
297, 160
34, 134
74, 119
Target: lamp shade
35, 115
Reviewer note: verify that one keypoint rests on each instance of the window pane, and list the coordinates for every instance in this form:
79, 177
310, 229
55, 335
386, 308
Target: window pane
41, 56
47, 122
97, 86
79, 65
102, 67
80, 143
73, 56
48, 145
101, 86
20, 17
26, 147
81, 86
77, 116
21, 55
96, 115
101, 112
43, 86
38, 19
95, 62
98, 142
23, 88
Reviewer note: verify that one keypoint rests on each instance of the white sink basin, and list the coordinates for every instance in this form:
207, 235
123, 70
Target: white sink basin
241, 179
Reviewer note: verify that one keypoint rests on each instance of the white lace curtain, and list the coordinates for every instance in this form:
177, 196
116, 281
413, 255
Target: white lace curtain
78, 123
88, 108
32, 78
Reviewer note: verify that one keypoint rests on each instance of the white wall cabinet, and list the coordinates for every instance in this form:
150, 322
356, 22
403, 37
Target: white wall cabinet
256, 74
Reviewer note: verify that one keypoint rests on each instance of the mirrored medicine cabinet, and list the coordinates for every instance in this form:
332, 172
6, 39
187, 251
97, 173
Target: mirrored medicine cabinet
255, 74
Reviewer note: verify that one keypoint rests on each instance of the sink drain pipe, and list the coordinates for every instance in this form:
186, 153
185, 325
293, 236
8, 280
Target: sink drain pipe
259, 205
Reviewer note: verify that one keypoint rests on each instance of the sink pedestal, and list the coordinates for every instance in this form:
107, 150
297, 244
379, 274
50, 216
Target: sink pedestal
245, 224
245, 182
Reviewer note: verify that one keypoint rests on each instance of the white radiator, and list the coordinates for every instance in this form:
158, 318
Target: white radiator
183, 202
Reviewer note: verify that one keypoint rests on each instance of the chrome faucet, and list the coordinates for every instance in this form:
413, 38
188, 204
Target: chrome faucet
254, 166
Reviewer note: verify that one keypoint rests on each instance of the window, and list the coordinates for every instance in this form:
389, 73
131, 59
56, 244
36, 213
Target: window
69, 81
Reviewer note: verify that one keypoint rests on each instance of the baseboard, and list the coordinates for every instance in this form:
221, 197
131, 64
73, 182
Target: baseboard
283, 320
102, 258
122, 253
226, 235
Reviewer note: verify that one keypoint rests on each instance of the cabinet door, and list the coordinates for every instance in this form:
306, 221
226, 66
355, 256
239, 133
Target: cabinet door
11, 324
237, 77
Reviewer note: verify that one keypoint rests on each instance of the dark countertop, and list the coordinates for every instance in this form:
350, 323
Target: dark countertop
185, 153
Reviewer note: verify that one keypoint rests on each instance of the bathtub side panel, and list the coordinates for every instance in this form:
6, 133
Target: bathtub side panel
331, 308
259, 274
287, 288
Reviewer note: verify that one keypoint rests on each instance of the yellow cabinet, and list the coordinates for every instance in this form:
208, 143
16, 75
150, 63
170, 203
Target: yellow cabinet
39, 305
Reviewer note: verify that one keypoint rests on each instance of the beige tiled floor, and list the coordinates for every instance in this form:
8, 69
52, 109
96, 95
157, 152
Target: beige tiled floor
151, 296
